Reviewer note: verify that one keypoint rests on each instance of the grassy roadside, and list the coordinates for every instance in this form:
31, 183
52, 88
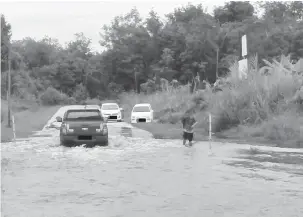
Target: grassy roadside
265, 109
281, 131
28, 118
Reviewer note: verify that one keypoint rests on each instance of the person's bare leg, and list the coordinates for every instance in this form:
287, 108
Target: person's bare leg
184, 138
191, 140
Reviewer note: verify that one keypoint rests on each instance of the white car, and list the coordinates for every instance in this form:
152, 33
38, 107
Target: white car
112, 111
142, 113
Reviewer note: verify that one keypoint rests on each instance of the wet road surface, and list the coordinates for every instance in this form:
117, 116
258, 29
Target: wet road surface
144, 177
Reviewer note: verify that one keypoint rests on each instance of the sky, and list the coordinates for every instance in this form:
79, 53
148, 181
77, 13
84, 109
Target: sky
62, 19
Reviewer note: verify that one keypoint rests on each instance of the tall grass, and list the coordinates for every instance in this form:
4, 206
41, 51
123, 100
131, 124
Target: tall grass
265, 99
169, 106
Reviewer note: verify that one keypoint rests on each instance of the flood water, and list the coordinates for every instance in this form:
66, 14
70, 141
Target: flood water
135, 177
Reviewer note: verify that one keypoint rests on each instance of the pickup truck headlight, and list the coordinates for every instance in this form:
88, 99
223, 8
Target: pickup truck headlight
65, 128
102, 129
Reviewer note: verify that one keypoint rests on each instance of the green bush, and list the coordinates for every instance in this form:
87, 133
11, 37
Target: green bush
93, 102
2, 115
256, 99
285, 129
66, 100
51, 96
172, 118
80, 94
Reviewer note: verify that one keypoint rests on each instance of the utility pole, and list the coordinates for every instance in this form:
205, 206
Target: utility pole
9, 89
136, 79
217, 65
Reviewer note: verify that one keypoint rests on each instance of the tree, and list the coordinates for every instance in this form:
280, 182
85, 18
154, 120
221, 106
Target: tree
5, 43
148, 51
234, 11
130, 41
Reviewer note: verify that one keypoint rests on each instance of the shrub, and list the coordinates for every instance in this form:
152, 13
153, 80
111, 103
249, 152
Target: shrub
66, 100
172, 118
51, 96
177, 100
2, 115
93, 101
80, 93
257, 98
285, 129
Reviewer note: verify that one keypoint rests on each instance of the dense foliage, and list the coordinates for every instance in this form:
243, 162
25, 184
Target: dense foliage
181, 47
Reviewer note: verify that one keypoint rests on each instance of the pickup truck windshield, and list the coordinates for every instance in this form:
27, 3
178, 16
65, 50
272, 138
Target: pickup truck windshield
141, 109
93, 115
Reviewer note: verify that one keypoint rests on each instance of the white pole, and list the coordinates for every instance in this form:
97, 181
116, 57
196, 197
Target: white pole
209, 135
244, 45
14, 129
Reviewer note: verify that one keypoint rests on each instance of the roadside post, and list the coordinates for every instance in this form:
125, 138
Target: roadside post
209, 135
14, 128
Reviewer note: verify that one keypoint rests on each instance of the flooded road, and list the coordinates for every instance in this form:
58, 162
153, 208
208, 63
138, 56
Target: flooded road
135, 177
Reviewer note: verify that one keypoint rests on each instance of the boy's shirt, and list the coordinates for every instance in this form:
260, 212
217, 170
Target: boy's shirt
188, 123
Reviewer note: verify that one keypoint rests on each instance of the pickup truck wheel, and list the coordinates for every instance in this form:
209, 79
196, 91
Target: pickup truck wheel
105, 143
63, 143
102, 144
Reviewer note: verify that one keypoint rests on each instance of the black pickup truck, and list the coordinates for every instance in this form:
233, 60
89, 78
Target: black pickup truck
83, 126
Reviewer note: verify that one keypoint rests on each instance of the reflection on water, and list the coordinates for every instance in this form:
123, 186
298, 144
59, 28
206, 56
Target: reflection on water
139, 177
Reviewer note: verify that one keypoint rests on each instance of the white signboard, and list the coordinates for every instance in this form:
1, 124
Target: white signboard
243, 68
244, 46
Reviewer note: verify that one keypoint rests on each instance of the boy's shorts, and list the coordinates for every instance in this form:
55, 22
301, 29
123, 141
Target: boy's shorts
188, 136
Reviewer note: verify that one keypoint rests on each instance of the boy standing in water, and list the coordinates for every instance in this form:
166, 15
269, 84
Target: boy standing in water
188, 122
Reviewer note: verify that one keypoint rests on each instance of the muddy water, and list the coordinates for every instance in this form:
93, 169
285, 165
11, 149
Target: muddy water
141, 177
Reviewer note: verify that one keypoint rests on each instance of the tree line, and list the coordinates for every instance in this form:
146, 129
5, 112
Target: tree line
180, 47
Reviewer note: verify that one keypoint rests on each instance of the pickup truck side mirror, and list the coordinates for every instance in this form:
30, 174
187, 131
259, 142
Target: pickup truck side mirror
58, 119
121, 109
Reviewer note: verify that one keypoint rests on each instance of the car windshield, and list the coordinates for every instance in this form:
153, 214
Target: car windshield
94, 115
110, 107
141, 109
